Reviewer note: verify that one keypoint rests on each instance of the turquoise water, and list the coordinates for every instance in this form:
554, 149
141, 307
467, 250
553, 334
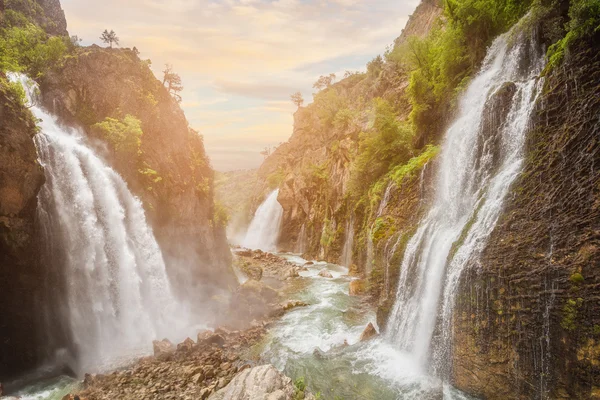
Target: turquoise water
308, 343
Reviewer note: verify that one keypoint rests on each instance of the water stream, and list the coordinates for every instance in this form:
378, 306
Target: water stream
263, 231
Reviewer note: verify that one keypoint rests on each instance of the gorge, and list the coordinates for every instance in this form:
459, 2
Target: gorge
430, 230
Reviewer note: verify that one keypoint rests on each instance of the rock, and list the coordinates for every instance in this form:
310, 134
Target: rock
186, 345
357, 287
198, 378
308, 263
216, 340
293, 304
325, 273
262, 382
368, 333
204, 393
204, 334
163, 347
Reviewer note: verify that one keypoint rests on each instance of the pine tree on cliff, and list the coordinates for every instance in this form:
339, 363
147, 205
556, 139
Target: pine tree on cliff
173, 82
297, 99
109, 37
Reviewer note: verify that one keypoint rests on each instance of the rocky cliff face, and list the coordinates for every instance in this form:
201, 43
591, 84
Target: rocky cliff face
527, 324
20, 180
313, 172
171, 172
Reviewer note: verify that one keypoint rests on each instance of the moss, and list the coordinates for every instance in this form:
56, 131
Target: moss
576, 278
570, 314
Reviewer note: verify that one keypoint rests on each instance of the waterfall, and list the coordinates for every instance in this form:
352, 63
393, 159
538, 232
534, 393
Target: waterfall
264, 228
301, 242
481, 156
116, 296
346, 258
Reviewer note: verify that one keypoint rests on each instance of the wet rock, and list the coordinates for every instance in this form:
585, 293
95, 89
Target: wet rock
215, 339
369, 333
357, 287
308, 263
262, 382
325, 273
163, 347
293, 304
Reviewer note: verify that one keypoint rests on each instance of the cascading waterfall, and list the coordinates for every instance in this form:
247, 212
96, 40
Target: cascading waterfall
117, 297
481, 156
301, 242
346, 258
264, 228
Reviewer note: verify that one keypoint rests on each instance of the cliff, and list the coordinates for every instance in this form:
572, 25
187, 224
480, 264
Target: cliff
20, 180
314, 171
528, 322
169, 170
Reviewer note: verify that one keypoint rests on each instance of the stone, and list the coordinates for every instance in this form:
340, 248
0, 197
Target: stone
357, 287
186, 345
325, 273
204, 393
369, 333
262, 382
163, 347
215, 340
204, 334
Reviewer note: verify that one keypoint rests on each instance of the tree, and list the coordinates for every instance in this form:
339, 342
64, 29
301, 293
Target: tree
135, 51
109, 37
172, 82
266, 152
324, 81
297, 99
75, 40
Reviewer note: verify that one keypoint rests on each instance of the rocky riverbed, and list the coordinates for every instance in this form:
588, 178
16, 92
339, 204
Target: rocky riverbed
204, 366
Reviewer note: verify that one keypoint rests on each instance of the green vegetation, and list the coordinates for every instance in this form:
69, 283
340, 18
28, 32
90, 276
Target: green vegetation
386, 145
576, 278
570, 311
584, 20
123, 135
221, 216
415, 164
29, 49
276, 178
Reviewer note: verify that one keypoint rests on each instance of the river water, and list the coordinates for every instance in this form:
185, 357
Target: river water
308, 343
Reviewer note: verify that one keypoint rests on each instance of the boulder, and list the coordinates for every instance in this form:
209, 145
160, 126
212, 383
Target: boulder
368, 333
204, 334
163, 347
293, 304
262, 382
308, 263
186, 345
357, 287
325, 273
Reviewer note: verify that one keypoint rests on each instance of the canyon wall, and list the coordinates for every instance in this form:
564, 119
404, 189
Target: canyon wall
527, 322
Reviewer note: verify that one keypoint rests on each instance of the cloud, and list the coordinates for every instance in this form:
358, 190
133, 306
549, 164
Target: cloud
241, 59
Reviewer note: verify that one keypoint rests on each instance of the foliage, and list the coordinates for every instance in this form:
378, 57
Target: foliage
123, 135
570, 311
276, 178
584, 20
109, 37
29, 49
399, 172
387, 144
172, 82
221, 216
297, 99
324, 81
327, 103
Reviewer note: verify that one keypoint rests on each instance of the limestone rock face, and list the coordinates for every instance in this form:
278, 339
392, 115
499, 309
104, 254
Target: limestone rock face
264, 382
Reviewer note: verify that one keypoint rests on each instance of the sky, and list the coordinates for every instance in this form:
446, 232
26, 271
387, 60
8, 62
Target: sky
240, 60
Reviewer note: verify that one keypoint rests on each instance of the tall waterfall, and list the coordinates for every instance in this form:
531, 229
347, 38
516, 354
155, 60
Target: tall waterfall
263, 231
346, 257
116, 296
481, 156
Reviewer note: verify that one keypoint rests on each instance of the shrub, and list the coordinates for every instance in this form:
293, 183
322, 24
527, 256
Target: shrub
123, 135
